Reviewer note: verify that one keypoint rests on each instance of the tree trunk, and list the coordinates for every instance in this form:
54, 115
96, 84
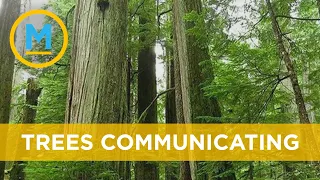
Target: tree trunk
8, 14
171, 170
28, 117
32, 95
303, 115
185, 173
147, 90
190, 54
98, 74
170, 109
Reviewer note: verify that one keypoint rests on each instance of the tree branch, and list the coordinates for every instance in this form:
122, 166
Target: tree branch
254, 26
145, 112
297, 18
164, 12
70, 10
65, 65
275, 84
137, 9
161, 14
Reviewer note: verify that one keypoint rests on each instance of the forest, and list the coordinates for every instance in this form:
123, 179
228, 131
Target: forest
166, 62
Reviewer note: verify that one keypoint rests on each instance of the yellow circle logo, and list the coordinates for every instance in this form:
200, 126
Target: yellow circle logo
64, 45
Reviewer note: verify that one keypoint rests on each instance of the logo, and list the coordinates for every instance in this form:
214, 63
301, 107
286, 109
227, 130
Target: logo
45, 33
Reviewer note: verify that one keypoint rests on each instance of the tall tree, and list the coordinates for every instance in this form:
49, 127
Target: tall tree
171, 170
28, 117
190, 53
9, 12
303, 114
170, 109
147, 87
98, 74
185, 172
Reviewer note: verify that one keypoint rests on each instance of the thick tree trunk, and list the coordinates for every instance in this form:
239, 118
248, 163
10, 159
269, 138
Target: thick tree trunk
147, 91
303, 115
147, 87
185, 173
8, 14
28, 117
98, 74
190, 54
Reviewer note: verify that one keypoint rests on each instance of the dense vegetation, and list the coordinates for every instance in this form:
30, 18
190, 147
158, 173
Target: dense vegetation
235, 59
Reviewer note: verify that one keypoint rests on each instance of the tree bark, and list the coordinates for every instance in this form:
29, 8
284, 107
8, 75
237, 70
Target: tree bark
9, 13
170, 109
147, 89
190, 77
98, 75
185, 173
171, 170
28, 117
303, 115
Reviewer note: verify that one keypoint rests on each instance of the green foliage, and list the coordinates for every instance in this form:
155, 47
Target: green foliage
249, 77
250, 81
197, 27
52, 103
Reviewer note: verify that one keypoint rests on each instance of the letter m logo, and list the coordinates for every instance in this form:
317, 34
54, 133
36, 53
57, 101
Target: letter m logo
32, 32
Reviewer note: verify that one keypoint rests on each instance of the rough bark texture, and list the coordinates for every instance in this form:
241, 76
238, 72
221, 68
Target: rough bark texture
177, 82
170, 109
28, 117
98, 74
171, 170
8, 14
190, 54
147, 91
97, 83
185, 173
303, 115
